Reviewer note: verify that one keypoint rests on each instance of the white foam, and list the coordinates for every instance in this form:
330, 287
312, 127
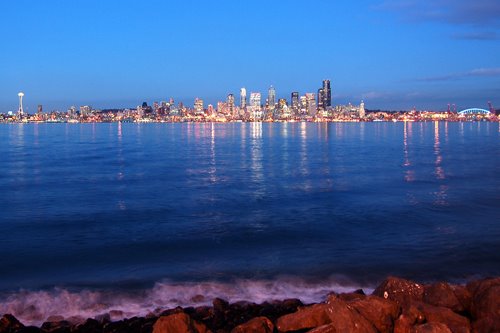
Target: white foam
34, 307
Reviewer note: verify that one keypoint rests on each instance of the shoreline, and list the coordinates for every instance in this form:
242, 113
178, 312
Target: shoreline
396, 305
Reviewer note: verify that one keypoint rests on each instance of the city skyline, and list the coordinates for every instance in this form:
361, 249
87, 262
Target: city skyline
393, 55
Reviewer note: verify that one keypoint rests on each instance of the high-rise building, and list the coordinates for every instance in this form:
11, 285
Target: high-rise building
271, 97
198, 105
295, 101
321, 99
255, 100
243, 98
362, 111
39, 109
327, 91
230, 103
311, 104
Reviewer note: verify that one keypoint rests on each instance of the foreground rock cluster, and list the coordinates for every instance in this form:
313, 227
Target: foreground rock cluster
397, 305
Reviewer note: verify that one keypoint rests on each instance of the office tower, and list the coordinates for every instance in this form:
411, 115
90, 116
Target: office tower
321, 99
243, 98
303, 105
210, 110
230, 103
327, 91
271, 97
295, 101
255, 100
20, 111
362, 110
39, 109
198, 105
311, 104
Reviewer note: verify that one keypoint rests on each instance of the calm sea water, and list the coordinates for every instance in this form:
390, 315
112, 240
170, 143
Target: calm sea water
139, 215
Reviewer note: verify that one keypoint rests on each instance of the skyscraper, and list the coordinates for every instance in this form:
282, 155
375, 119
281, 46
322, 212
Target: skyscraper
20, 111
295, 101
321, 99
243, 98
39, 109
271, 97
255, 100
327, 94
230, 103
311, 104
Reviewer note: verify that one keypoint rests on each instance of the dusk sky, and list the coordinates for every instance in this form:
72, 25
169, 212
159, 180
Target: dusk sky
393, 54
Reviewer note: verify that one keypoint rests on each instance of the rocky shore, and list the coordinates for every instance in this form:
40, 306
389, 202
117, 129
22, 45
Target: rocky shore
396, 305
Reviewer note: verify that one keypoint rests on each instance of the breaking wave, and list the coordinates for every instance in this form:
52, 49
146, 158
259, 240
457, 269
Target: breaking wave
35, 307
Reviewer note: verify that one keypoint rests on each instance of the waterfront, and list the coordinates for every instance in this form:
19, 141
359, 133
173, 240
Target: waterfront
246, 206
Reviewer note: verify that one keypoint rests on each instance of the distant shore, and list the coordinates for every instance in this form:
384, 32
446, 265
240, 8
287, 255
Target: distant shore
396, 305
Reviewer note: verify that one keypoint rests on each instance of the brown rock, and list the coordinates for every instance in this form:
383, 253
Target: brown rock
345, 318
255, 325
464, 296
9, 324
305, 318
380, 312
358, 294
485, 298
431, 328
400, 290
178, 323
434, 314
330, 328
442, 294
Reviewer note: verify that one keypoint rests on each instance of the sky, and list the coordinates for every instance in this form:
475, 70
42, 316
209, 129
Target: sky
395, 55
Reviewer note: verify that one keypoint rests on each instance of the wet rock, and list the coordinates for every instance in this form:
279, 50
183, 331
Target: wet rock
305, 318
355, 295
442, 294
409, 317
178, 323
464, 296
220, 305
324, 329
276, 309
255, 325
61, 326
89, 326
342, 316
400, 290
431, 328
9, 324
103, 318
345, 318
485, 306
434, 314
29, 329
380, 312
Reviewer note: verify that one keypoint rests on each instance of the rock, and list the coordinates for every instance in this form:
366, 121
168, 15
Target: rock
342, 317
56, 326
178, 323
441, 294
486, 299
29, 329
431, 328
464, 296
255, 325
276, 309
409, 317
434, 314
324, 329
345, 318
357, 294
9, 324
89, 326
400, 290
380, 312
305, 318
220, 305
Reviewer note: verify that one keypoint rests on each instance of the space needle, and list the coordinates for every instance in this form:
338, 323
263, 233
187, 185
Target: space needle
20, 111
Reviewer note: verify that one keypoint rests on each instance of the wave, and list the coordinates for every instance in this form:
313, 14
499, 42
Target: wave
35, 307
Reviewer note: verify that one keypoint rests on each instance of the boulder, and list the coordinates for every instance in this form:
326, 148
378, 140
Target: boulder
9, 324
89, 326
178, 323
330, 328
442, 294
431, 328
380, 312
345, 318
400, 290
464, 296
305, 318
435, 314
255, 325
61, 326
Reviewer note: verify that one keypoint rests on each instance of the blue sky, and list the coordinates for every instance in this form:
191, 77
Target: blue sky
393, 54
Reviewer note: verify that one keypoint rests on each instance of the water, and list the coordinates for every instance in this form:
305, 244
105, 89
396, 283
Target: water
134, 217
